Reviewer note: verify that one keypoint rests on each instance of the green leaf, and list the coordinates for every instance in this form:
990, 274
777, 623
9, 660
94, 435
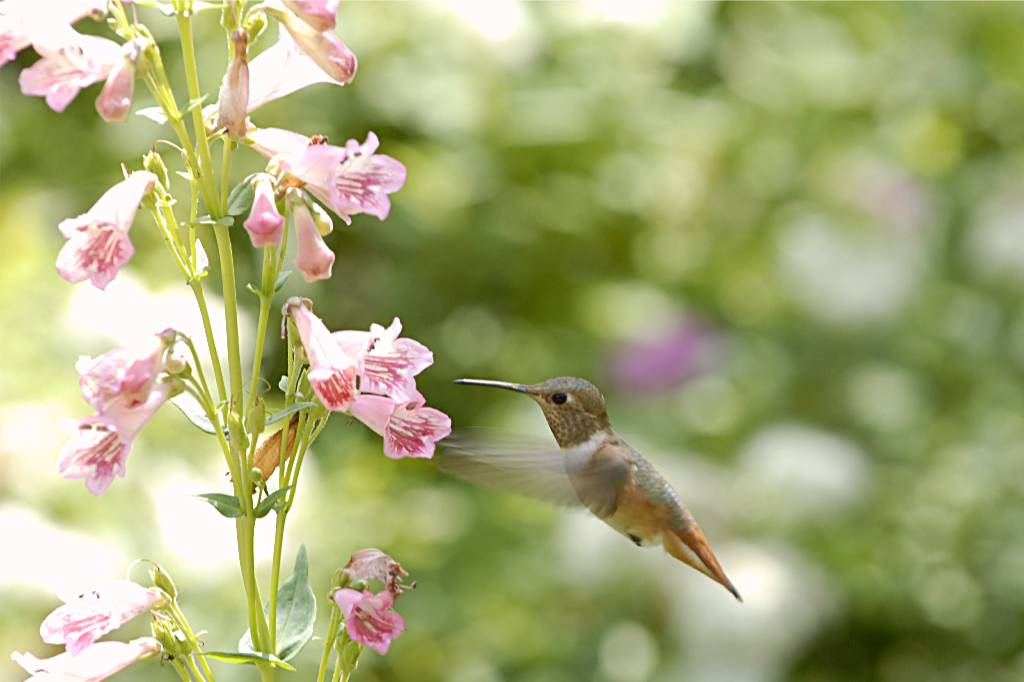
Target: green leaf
240, 197
281, 279
294, 407
227, 505
247, 658
296, 612
194, 412
271, 501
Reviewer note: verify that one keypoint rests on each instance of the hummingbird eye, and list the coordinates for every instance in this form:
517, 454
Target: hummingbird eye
559, 398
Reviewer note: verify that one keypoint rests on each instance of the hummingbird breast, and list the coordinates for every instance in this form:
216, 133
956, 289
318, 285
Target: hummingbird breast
648, 505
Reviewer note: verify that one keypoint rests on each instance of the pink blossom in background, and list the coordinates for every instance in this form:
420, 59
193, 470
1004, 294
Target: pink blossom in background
666, 361
323, 47
369, 618
123, 373
115, 100
265, 223
332, 372
390, 363
409, 428
313, 257
351, 179
281, 70
233, 100
87, 616
98, 662
99, 445
70, 61
320, 14
98, 243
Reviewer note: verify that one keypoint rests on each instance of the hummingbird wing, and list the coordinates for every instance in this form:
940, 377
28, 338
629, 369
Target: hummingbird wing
570, 477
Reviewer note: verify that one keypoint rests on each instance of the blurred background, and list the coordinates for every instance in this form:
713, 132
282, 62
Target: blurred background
787, 240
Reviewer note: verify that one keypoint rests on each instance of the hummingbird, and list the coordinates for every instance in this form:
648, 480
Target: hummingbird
593, 467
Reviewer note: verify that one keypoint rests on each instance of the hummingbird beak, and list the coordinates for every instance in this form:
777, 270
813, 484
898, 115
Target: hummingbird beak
518, 388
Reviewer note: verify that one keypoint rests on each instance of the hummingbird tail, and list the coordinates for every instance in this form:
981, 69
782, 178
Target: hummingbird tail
692, 548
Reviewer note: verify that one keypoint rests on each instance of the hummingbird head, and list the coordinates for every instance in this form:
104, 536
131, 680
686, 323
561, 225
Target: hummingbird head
574, 408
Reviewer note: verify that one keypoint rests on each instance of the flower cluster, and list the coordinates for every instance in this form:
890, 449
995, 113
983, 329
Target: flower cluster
125, 386
371, 375
84, 618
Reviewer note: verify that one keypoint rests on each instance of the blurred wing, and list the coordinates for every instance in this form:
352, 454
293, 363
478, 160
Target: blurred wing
511, 465
563, 477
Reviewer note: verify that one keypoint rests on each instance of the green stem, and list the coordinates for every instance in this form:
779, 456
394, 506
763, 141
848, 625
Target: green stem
227, 273
211, 342
182, 671
207, 176
266, 298
195, 669
332, 634
337, 668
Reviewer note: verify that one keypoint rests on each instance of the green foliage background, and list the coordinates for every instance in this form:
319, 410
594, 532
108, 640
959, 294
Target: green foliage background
831, 193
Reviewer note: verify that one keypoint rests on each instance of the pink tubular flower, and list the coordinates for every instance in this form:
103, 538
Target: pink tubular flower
314, 258
86, 617
389, 363
369, 618
234, 90
98, 243
320, 14
323, 47
115, 100
70, 61
351, 179
125, 374
280, 70
99, 445
264, 223
96, 663
409, 428
332, 371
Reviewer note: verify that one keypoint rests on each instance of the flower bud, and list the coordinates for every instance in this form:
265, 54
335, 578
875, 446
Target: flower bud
265, 223
115, 100
234, 90
256, 418
162, 579
154, 163
320, 14
238, 437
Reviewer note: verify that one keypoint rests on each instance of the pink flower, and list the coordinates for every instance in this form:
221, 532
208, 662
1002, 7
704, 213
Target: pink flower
115, 100
234, 90
280, 70
86, 617
323, 47
22, 19
99, 445
369, 618
320, 14
351, 179
313, 257
70, 61
389, 363
96, 663
332, 371
127, 374
409, 428
264, 223
98, 243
